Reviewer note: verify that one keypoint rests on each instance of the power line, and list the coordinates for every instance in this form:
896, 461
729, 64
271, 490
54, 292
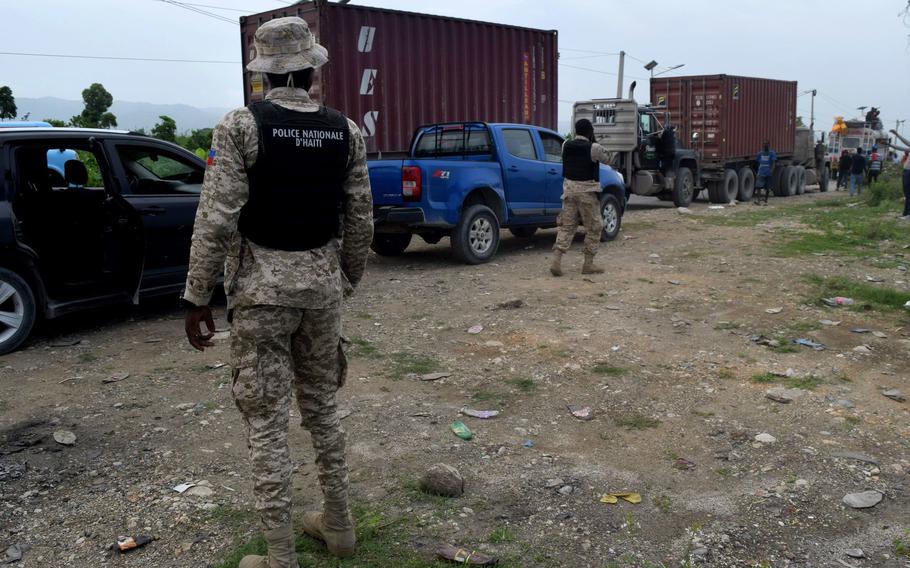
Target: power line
200, 11
599, 71
241, 10
110, 57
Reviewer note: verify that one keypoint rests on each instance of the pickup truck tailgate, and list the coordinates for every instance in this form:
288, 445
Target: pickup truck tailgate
385, 180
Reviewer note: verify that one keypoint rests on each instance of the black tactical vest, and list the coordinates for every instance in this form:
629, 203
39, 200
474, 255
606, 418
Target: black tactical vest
296, 184
577, 164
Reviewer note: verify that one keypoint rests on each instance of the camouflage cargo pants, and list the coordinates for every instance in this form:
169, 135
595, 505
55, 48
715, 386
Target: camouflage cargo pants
586, 208
273, 350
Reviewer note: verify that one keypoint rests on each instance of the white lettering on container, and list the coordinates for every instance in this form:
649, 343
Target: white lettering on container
368, 81
365, 41
369, 123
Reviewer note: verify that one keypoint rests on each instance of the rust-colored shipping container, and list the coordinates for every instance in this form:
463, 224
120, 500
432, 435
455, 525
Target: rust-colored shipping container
731, 115
393, 71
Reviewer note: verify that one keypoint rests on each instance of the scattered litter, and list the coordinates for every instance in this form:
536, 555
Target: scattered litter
513, 304
183, 487
216, 365
201, 489
789, 373
15, 552
528, 443
66, 342
880, 335
715, 207
855, 553
829, 323
434, 376
838, 301
653, 255
683, 464
860, 330
116, 378
65, 437
674, 282
858, 456
581, 412
342, 414
127, 543
221, 335
154, 340
774, 310
461, 430
615, 496
783, 395
893, 394
683, 210
809, 343
764, 340
444, 480
765, 438
862, 349
907, 305
69, 379
482, 414
465, 556
874, 279
474, 330
863, 500
612, 308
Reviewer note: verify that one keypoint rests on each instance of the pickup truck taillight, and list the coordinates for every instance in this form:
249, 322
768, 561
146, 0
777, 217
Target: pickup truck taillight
410, 183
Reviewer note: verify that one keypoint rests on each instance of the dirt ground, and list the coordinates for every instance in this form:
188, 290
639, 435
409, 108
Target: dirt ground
660, 347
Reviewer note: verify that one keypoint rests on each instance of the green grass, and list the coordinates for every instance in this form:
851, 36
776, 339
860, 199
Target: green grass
851, 422
784, 346
87, 357
726, 374
726, 325
877, 297
638, 225
808, 382
602, 369
662, 502
361, 348
722, 471
636, 422
500, 535
524, 385
381, 543
482, 396
404, 364
229, 516
902, 545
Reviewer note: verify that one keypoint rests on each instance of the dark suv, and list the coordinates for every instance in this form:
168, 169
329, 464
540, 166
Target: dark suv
114, 228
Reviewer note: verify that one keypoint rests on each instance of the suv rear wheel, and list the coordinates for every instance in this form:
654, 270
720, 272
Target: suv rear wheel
476, 237
611, 211
17, 310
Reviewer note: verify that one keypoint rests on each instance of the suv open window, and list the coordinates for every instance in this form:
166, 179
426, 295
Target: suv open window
153, 171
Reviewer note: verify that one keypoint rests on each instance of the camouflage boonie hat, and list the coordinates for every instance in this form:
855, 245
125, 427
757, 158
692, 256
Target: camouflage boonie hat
284, 45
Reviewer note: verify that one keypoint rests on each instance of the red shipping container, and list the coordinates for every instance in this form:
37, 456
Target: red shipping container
732, 115
392, 71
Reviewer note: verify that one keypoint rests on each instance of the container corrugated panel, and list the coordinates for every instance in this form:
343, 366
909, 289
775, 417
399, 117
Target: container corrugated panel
732, 115
393, 71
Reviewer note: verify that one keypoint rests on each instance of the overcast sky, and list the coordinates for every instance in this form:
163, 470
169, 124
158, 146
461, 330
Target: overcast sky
854, 53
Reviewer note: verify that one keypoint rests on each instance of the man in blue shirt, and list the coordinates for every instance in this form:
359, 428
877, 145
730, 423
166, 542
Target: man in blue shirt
857, 172
765, 161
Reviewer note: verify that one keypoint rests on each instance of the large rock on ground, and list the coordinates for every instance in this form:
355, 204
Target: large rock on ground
442, 479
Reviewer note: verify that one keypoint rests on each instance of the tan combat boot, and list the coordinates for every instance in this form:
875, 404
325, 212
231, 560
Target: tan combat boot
282, 551
556, 267
589, 267
334, 527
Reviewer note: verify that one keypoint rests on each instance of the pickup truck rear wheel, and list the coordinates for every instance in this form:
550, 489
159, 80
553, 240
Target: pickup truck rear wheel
476, 237
390, 244
612, 214
18, 310
683, 187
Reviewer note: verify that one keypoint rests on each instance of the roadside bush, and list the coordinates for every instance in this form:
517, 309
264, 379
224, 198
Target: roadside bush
886, 189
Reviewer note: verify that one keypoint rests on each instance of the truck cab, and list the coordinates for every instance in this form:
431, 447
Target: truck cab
645, 149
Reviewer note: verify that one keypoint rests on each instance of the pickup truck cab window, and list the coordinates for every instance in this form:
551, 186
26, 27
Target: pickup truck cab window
552, 147
452, 141
153, 171
519, 143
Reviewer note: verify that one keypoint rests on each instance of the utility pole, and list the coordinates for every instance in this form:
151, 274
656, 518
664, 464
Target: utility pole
812, 115
622, 64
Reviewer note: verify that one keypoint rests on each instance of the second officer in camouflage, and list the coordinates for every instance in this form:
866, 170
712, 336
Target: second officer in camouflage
286, 212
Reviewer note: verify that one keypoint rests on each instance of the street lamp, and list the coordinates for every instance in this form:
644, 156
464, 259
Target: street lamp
650, 66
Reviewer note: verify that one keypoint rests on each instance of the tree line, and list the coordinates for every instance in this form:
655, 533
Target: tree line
95, 114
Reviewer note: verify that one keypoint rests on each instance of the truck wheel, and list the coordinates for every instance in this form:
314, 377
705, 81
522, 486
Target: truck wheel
18, 310
390, 244
476, 237
800, 180
823, 183
746, 184
683, 187
523, 232
611, 211
778, 181
790, 179
730, 186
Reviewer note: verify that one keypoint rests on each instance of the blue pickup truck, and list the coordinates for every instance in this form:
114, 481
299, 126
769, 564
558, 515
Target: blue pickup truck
467, 180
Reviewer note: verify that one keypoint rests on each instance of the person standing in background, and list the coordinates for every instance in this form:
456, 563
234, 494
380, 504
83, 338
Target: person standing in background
843, 169
905, 171
857, 172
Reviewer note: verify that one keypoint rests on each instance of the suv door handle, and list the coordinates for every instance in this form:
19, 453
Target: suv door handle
552, 172
513, 168
152, 210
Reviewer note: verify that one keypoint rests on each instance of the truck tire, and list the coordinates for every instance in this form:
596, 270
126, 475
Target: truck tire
476, 237
823, 182
800, 180
611, 210
746, 184
523, 232
18, 310
390, 244
715, 191
790, 180
683, 187
731, 186
778, 183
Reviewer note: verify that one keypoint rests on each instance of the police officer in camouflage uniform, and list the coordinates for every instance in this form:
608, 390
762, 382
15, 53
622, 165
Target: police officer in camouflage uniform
286, 211
581, 159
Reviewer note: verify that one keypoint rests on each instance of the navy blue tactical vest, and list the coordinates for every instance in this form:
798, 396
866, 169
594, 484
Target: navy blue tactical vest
296, 184
577, 164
